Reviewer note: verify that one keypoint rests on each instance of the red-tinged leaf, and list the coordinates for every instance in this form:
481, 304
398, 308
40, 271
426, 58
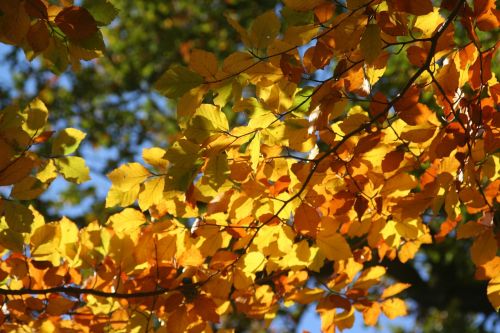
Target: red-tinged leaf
416, 114
487, 14
393, 24
378, 107
291, 68
324, 12
446, 227
480, 71
392, 160
15, 171
341, 203
206, 308
367, 143
420, 7
59, 305
76, 22
417, 55
360, 206
36, 9
38, 36
222, 259
306, 220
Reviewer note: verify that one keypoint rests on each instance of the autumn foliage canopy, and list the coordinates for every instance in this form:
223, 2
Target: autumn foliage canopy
294, 172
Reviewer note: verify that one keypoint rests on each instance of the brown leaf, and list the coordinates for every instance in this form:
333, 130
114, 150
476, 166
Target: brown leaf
37, 9
76, 22
38, 36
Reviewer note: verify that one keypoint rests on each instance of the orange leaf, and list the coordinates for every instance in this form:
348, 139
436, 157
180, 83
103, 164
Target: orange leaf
306, 220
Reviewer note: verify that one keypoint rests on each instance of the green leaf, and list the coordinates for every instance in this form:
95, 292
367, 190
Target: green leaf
18, 217
371, 43
104, 12
73, 169
67, 141
177, 80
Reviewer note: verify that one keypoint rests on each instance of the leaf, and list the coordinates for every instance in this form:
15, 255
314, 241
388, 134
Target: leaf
76, 22
493, 292
73, 169
15, 170
27, 189
369, 277
44, 240
127, 221
306, 220
484, 248
207, 121
394, 289
14, 22
371, 43
18, 217
128, 176
38, 36
155, 157
264, 30
394, 307
103, 11
416, 8
152, 193
203, 63
333, 246
177, 80
303, 6
67, 141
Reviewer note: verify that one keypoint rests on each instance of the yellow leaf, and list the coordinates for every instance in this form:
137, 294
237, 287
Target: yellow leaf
254, 150
333, 246
155, 157
394, 307
48, 172
399, 185
307, 296
128, 176
371, 314
27, 189
395, 289
36, 117
252, 262
369, 277
44, 242
127, 221
208, 120
428, 23
67, 141
69, 245
73, 169
493, 292
152, 193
